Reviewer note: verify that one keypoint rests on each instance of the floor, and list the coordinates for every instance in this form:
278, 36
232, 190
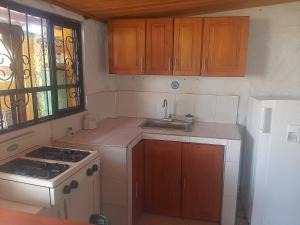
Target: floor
149, 219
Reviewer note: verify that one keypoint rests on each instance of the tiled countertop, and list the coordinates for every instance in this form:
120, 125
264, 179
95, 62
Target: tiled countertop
122, 131
114, 138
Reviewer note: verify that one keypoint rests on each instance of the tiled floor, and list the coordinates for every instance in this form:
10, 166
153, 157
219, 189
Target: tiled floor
149, 219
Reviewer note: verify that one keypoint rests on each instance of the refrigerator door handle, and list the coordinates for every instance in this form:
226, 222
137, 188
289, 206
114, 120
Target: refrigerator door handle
266, 119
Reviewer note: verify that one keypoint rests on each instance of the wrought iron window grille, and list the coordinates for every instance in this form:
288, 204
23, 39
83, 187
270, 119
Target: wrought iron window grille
40, 66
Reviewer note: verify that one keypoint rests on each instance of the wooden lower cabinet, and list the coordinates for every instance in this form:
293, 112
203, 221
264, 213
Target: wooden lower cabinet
202, 181
163, 177
137, 181
181, 179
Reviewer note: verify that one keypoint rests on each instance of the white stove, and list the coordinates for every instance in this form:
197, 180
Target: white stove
58, 179
45, 165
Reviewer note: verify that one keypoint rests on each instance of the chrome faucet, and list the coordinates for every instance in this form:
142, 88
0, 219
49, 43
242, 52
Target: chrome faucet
165, 106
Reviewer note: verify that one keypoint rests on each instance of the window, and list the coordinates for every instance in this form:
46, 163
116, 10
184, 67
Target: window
40, 66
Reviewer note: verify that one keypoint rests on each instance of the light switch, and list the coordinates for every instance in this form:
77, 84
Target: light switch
293, 133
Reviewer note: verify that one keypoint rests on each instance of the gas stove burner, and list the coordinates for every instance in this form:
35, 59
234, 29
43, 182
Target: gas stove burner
35, 169
65, 155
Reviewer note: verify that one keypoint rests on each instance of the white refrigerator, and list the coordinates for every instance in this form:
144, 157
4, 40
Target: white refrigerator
272, 162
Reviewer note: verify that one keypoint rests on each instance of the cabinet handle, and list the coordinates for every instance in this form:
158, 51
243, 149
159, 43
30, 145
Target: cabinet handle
177, 181
136, 190
169, 64
175, 64
205, 65
141, 64
183, 183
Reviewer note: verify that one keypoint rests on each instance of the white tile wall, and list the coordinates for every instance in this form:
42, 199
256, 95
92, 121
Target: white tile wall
102, 104
226, 109
184, 104
127, 104
147, 104
60, 127
206, 108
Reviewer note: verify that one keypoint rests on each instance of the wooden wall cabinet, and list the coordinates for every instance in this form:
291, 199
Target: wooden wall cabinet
190, 46
225, 41
137, 181
187, 46
159, 46
162, 177
127, 46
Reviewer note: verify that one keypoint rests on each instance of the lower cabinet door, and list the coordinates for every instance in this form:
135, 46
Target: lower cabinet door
202, 181
137, 181
162, 177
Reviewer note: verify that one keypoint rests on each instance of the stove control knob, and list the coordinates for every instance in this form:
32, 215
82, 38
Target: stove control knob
89, 172
95, 167
74, 184
67, 189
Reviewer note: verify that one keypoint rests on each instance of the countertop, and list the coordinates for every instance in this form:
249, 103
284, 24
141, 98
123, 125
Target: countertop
11, 217
121, 131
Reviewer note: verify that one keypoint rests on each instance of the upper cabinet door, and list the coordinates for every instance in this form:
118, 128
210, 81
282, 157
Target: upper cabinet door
225, 43
159, 46
187, 46
127, 46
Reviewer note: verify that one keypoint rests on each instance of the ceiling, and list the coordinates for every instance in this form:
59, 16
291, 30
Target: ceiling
106, 9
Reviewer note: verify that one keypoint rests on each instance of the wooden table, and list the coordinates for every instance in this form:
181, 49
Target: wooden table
10, 217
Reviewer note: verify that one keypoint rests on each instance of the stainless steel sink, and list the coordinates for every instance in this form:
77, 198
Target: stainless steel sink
164, 124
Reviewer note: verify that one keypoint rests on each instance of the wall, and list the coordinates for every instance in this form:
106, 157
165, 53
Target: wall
273, 66
205, 108
99, 87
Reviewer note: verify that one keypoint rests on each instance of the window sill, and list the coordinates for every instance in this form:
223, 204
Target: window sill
41, 121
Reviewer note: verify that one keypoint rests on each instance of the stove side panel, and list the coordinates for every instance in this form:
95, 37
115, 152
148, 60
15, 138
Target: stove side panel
25, 193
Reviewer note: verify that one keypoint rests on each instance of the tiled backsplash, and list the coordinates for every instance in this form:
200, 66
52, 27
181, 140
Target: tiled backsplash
206, 108
102, 104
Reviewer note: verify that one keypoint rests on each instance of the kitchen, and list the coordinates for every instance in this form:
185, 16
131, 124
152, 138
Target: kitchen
144, 174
